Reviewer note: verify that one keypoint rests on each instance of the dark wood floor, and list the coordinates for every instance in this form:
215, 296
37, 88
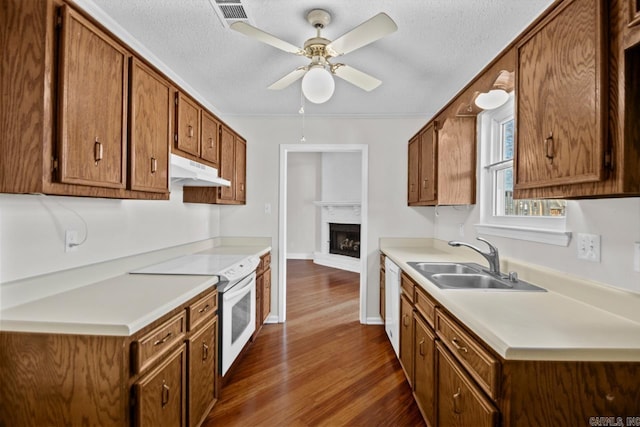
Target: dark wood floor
321, 367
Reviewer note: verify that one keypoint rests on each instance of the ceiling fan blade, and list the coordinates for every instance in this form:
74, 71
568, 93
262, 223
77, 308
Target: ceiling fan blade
365, 33
264, 37
356, 77
289, 78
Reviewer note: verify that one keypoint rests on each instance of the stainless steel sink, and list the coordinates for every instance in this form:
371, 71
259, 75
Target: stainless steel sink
450, 275
442, 268
469, 281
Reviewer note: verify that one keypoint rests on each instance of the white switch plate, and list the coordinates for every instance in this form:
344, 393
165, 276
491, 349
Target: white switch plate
267, 208
71, 240
589, 247
636, 256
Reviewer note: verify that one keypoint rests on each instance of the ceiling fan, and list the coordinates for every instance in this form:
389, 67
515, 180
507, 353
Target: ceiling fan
317, 80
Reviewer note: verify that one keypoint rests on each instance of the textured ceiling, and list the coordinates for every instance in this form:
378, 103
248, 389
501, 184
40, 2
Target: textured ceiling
439, 47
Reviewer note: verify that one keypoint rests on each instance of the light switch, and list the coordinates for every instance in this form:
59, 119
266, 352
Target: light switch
267, 208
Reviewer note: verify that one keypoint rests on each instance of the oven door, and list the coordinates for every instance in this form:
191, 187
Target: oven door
238, 319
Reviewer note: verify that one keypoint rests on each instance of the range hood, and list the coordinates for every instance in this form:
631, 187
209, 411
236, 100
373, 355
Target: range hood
193, 174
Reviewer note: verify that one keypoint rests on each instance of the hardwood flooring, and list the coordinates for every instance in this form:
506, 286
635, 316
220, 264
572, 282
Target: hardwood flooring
321, 367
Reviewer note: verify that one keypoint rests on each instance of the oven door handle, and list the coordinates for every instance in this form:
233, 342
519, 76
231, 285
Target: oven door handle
240, 287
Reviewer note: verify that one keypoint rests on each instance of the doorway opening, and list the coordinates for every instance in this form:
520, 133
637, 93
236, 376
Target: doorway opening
285, 150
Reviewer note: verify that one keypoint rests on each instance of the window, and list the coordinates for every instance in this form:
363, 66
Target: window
500, 214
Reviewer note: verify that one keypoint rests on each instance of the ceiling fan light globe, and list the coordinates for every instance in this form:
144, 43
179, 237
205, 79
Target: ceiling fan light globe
492, 99
318, 85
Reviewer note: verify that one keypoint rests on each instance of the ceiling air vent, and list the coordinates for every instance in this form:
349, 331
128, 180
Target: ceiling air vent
230, 11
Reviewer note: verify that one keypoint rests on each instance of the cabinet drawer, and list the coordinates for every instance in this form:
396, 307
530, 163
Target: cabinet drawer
426, 306
203, 309
460, 401
407, 286
161, 339
482, 366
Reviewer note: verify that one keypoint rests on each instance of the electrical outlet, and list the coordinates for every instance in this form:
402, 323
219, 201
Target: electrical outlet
589, 247
636, 256
461, 229
71, 240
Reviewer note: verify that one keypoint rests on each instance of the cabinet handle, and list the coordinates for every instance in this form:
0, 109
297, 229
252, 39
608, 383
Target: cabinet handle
456, 401
165, 394
163, 340
154, 165
190, 131
548, 147
210, 142
97, 151
425, 183
204, 309
205, 351
458, 347
405, 320
421, 347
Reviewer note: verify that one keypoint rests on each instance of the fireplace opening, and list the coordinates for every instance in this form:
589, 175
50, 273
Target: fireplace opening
344, 239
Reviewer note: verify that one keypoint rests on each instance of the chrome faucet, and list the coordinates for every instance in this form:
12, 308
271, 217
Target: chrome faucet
492, 256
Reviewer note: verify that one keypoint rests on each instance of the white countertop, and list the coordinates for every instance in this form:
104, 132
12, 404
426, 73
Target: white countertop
552, 325
120, 304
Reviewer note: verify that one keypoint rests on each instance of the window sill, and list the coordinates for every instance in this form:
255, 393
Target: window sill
550, 237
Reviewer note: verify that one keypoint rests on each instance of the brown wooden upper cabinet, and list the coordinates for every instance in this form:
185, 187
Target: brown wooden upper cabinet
442, 163
561, 84
198, 132
422, 167
92, 105
188, 125
151, 113
233, 152
211, 129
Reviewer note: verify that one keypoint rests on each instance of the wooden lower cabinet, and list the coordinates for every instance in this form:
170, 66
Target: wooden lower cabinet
163, 375
406, 336
381, 306
424, 381
202, 349
460, 401
160, 394
458, 380
263, 292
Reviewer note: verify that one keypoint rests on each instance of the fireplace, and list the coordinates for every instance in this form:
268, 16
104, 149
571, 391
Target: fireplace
344, 239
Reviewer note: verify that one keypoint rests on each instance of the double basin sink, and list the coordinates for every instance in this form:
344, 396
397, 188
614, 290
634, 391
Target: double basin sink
469, 276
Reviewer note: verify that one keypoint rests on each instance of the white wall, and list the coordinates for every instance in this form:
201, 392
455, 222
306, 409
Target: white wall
617, 221
32, 229
303, 188
341, 177
389, 214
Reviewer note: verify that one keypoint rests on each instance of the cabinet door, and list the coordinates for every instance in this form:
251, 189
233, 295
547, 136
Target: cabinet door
460, 401
150, 129
424, 375
92, 105
188, 127
160, 395
241, 169
413, 185
266, 294
561, 112
428, 152
457, 161
259, 308
210, 135
227, 163
406, 337
202, 371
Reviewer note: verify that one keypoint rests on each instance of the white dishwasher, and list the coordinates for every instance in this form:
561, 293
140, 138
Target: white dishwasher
392, 303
